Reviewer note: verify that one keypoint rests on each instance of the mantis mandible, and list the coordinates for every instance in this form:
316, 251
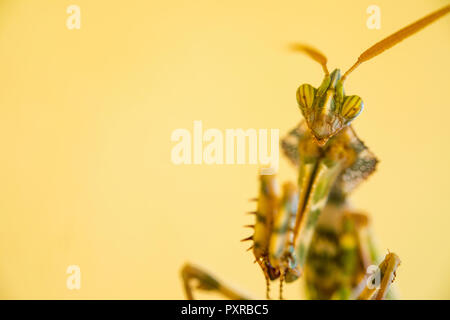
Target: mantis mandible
309, 230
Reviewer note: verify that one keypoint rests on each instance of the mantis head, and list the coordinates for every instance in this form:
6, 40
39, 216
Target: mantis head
327, 109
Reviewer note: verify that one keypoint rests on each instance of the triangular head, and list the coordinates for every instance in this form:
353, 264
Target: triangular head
327, 109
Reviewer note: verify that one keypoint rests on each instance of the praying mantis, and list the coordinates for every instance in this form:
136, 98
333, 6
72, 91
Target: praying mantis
309, 230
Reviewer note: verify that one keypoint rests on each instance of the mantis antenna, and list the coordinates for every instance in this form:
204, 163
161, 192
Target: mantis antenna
396, 37
313, 53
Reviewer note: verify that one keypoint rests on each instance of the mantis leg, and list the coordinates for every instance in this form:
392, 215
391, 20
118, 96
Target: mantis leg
368, 250
387, 270
206, 282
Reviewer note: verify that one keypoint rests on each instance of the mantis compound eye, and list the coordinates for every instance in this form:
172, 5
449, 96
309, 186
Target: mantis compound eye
351, 108
305, 98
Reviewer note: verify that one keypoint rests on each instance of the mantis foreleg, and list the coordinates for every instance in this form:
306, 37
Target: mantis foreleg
207, 282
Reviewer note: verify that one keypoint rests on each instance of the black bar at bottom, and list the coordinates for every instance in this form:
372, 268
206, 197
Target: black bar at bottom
220, 309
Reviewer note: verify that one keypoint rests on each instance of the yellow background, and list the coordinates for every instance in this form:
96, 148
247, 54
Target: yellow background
86, 117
